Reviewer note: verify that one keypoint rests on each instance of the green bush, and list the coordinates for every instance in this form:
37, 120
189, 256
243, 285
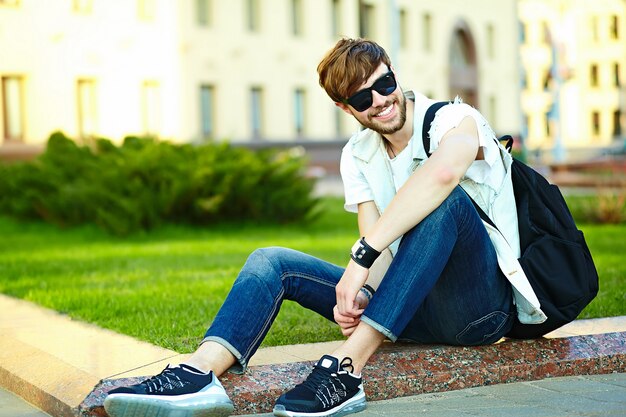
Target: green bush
605, 206
144, 183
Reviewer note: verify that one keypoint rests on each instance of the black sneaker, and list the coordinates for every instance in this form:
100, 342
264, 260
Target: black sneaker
329, 390
181, 391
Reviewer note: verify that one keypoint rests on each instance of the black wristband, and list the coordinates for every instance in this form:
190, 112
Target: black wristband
369, 288
363, 254
366, 293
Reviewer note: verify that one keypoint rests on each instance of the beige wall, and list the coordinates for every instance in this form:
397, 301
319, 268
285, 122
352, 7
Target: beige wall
498, 74
52, 46
581, 30
233, 59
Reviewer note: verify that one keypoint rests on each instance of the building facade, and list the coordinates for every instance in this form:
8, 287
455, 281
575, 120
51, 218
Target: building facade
240, 70
574, 80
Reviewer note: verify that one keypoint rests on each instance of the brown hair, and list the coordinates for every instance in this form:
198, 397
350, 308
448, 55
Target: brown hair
348, 65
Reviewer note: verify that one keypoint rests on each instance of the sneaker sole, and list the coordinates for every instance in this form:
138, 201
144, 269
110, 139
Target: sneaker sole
122, 405
353, 405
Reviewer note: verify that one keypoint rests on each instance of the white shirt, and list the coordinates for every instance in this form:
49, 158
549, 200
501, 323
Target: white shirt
400, 168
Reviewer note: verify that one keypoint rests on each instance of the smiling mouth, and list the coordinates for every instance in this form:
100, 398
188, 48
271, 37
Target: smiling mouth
385, 111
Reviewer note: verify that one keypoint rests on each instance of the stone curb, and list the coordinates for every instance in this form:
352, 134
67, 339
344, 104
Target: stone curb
404, 370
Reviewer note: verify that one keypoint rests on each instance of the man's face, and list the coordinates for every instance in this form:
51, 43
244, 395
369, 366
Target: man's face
387, 114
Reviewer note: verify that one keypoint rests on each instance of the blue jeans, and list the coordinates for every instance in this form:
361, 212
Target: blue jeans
443, 286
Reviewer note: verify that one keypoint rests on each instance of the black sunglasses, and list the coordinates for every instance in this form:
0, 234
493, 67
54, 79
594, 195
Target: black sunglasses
362, 100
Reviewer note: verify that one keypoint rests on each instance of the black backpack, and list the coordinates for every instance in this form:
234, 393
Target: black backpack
555, 256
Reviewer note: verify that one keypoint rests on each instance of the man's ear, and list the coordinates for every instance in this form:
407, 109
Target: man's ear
344, 107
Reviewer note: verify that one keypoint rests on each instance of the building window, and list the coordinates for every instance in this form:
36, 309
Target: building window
616, 79
146, 9
207, 108
524, 78
547, 80
522, 33
491, 42
13, 107
336, 17
461, 54
594, 78
493, 110
204, 12
595, 123
339, 117
366, 20
82, 6
595, 33
253, 19
545, 32
256, 112
297, 19
403, 25
87, 111
427, 32
614, 27
299, 111
151, 107
617, 124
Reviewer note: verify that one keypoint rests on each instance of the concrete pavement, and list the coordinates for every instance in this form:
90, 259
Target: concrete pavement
578, 396
13, 406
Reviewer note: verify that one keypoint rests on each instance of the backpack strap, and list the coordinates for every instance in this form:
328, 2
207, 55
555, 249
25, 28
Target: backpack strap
482, 213
507, 142
428, 120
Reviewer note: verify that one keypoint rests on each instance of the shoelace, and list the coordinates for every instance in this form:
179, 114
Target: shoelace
316, 378
320, 376
347, 363
166, 379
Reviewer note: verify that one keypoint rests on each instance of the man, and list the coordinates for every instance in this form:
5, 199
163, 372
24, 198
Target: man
425, 269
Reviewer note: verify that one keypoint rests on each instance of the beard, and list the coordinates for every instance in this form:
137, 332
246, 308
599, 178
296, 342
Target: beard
390, 126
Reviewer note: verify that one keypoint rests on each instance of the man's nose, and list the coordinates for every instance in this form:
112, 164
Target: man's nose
378, 100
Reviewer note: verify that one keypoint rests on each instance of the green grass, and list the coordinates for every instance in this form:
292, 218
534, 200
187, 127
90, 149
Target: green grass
608, 248
166, 286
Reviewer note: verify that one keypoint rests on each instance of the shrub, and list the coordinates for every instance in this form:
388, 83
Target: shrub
606, 206
610, 207
144, 183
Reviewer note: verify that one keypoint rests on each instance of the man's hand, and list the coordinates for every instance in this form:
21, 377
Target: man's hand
348, 288
347, 323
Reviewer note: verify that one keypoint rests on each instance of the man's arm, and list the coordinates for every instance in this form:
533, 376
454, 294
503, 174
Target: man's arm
368, 216
429, 186
423, 192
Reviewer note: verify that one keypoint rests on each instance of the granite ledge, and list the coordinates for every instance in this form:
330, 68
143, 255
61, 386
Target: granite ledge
398, 370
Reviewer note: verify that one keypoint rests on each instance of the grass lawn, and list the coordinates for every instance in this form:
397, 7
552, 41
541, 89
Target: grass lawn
166, 286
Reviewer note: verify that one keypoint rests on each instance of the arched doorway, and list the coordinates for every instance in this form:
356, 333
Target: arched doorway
463, 65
